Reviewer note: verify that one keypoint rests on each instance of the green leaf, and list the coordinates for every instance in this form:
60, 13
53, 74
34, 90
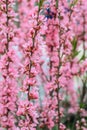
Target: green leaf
23, 117
56, 3
82, 58
40, 3
55, 128
74, 43
82, 105
74, 2
76, 53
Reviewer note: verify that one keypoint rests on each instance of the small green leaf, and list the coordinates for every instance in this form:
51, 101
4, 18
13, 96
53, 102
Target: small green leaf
40, 3
82, 58
22, 117
55, 128
74, 2
76, 53
82, 105
74, 43
56, 3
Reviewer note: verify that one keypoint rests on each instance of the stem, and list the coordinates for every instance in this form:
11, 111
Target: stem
7, 45
57, 3
51, 63
58, 87
58, 108
84, 34
58, 91
33, 42
7, 22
